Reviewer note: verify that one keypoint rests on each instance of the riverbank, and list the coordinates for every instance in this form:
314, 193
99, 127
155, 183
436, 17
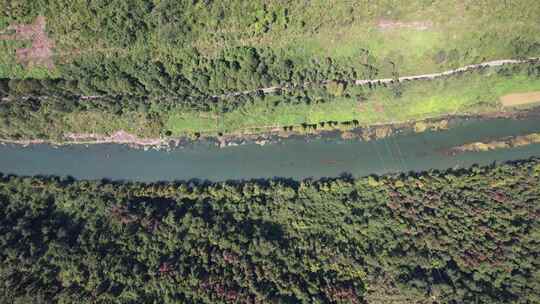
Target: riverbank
338, 105
351, 132
366, 133
119, 137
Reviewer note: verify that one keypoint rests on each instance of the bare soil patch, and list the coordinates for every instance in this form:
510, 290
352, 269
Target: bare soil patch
40, 51
379, 108
119, 137
386, 24
518, 99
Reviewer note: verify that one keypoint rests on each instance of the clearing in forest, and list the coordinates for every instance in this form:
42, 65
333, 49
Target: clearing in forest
40, 51
519, 99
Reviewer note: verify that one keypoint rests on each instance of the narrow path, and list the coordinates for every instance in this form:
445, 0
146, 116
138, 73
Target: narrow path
494, 63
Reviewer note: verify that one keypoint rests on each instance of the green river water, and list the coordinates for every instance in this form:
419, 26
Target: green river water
290, 158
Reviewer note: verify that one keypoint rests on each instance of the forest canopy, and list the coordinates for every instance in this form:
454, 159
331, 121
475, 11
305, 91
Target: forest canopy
458, 236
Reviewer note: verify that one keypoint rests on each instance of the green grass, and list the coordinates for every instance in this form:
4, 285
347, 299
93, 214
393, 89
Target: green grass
471, 93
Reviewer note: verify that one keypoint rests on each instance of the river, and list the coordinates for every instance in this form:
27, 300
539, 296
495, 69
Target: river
291, 158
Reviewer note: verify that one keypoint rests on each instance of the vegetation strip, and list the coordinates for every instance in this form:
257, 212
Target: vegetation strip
505, 143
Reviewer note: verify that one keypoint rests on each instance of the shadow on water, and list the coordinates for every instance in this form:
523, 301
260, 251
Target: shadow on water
193, 183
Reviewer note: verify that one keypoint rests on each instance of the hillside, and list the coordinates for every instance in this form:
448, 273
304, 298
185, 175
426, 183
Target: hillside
173, 68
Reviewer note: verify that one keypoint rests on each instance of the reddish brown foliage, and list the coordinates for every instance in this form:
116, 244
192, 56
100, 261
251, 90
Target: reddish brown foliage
340, 294
230, 257
221, 291
121, 214
165, 268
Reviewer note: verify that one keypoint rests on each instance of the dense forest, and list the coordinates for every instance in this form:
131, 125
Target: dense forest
458, 236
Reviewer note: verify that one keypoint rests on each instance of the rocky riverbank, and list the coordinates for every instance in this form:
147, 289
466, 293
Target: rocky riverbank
346, 132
